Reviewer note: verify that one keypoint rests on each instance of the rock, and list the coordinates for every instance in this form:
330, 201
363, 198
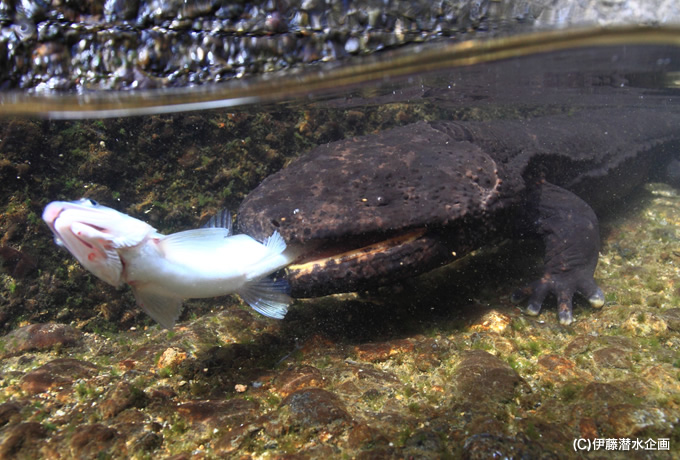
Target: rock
91, 441
143, 358
40, 337
121, 397
363, 435
588, 428
603, 393
315, 407
612, 357
171, 358
424, 442
59, 372
556, 363
216, 414
662, 378
672, 318
644, 325
491, 321
17, 263
235, 438
146, 441
20, 441
379, 454
9, 411
483, 446
579, 345
627, 420
481, 376
425, 362
371, 374
382, 351
292, 380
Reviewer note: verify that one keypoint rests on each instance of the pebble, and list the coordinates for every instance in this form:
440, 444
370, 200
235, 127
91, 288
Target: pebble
555, 368
171, 358
628, 421
484, 446
382, 351
59, 372
612, 357
644, 325
208, 415
148, 43
672, 318
21, 440
294, 379
314, 407
482, 376
121, 397
40, 337
362, 435
95, 440
9, 412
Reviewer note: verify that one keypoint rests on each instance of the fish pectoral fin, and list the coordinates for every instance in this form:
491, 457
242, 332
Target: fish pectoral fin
275, 258
165, 310
275, 243
267, 296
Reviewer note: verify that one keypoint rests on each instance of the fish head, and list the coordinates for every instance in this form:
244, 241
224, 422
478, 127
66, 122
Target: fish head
95, 234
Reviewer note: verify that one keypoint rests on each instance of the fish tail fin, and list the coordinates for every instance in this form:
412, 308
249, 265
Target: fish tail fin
268, 296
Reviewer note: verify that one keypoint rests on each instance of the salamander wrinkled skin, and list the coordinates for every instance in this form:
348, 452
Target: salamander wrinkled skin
373, 210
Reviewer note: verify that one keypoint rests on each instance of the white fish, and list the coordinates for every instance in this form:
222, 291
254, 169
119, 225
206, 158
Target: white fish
163, 270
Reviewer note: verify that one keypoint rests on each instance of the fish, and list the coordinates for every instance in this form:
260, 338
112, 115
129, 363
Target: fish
165, 270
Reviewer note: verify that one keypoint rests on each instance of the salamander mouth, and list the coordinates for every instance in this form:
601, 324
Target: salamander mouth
351, 253
322, 272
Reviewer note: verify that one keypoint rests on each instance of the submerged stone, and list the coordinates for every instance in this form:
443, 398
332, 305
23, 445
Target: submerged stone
123, 396
216, 414
95, 440
315, 407
382, 351
612, 357
59, 372
40, 337
21, 440
295, 379
480, 376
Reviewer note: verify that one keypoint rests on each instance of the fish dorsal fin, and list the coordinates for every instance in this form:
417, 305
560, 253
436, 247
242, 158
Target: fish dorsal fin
193, 240
220, 220
267, 296
165, 310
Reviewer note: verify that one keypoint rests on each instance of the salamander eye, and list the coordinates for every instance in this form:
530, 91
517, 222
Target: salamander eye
92, 202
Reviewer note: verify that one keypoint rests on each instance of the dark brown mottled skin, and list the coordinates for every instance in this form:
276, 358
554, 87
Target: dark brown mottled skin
460, 185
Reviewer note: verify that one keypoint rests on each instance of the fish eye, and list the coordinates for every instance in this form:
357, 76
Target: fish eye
88, 201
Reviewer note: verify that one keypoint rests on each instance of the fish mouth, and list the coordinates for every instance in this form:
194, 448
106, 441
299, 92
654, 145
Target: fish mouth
50, 216
52, 221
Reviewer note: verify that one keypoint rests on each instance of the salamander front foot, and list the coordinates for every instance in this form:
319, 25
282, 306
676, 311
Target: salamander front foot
570, 231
